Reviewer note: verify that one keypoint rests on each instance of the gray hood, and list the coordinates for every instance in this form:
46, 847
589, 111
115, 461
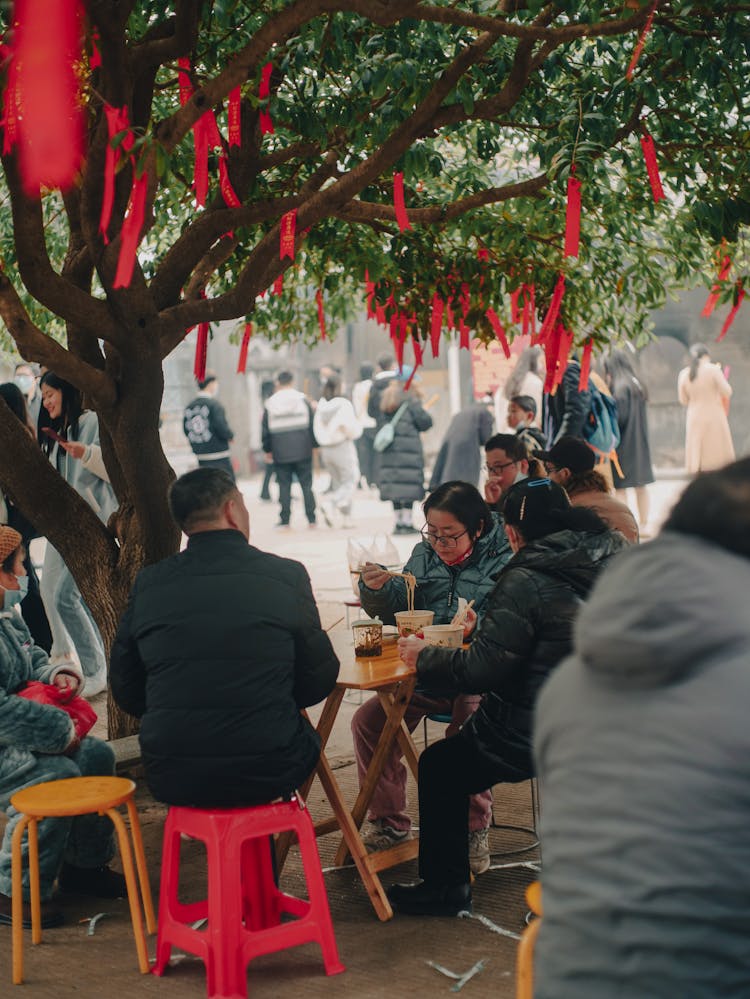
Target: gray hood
663, 610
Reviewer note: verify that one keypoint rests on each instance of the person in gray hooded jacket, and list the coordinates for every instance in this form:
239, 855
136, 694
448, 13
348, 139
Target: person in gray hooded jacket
643, 752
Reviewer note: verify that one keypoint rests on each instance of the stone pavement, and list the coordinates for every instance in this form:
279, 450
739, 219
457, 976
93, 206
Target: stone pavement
381, 958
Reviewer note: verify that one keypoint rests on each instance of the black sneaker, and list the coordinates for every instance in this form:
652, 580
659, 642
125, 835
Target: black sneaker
98, 882
51, 915
430, 899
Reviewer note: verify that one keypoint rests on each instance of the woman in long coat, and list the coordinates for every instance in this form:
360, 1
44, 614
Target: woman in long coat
401, 466
705, 391
633, 451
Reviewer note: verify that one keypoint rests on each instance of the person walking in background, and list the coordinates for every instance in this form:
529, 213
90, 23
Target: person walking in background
705, 391
205, 425
266, 391
27, 380
526, 379
288, 442
521, 417
460, 454
401, 466
633, 451
386, 372
336, 428
360, 400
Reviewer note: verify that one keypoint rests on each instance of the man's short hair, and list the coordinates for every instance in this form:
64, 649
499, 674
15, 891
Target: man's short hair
206, 380
510, 443
386, 362
199, 496
285, 378
525, 402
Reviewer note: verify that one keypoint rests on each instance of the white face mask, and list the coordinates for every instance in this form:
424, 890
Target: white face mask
24, 382
13, 597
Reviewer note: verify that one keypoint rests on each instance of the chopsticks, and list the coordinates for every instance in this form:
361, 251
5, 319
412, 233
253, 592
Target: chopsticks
460, 616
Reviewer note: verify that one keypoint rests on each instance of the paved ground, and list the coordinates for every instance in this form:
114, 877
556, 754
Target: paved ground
381, 959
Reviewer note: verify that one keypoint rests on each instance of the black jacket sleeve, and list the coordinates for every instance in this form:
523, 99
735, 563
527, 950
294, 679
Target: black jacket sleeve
220, 426
127, 674
316, 664
577, 404
265, 433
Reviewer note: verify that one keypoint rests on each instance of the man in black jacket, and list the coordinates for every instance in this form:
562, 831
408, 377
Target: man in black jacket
219, 649
205, 425
565, 412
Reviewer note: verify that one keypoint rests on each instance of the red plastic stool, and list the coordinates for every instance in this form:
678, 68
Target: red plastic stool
244, 912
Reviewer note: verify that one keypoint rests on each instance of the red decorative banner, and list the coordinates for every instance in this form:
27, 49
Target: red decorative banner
398, 202
183, 79
369, 295
95, 59
264, 92
499, 331
278, 285
11, 106
418, 352
47, 51
652, 167
286, 234
732, 313
131, 231
117, 121
515, 314
234, 118
398, 341
438, 307
529, 310
563, 353
713, 298
583, 381
321, 314
242, 361
227, 191
201, 352
641, 41
573, 215
553, 312
551, 357
464, 342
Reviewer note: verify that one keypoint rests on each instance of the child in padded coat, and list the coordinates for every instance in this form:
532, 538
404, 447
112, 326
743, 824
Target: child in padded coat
38, 743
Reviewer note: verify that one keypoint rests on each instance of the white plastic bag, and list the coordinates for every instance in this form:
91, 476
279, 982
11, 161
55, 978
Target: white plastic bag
379, 549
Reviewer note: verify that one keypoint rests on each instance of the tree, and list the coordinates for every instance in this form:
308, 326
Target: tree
482, 105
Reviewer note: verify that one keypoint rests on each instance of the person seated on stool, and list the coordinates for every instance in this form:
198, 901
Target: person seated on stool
526, 631
463, 546
218, 650
38, 743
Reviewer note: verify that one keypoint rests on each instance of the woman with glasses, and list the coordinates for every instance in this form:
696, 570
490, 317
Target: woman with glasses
462, 548
525, 632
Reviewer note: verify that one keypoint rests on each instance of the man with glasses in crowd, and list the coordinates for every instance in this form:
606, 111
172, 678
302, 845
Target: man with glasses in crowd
507, 463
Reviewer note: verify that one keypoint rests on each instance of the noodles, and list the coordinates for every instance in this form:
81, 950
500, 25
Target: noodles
410, 580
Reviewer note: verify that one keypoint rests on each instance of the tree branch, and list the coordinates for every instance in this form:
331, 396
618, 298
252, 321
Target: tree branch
509, 29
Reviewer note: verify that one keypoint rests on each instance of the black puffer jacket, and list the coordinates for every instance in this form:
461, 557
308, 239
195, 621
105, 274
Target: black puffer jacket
218, 650
401, 466
525, 633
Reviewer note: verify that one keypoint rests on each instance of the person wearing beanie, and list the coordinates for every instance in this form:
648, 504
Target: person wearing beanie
570, 462
206, 428
38, 743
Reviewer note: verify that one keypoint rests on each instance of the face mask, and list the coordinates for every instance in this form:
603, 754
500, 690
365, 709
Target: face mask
13, 597
24, 382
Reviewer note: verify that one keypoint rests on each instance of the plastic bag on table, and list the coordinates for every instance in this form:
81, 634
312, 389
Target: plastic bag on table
379, 549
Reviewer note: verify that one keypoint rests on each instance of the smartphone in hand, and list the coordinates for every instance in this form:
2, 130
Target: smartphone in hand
54, 435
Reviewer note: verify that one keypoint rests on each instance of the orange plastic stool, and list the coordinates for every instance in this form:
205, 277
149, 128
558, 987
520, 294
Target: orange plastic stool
66, 799
525, 952
244, 904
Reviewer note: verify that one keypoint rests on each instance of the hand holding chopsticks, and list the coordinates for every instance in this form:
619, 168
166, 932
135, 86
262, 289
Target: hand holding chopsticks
460, 616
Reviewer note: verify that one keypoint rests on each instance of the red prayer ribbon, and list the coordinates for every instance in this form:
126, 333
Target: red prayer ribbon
264, 92
583, 381
713, 298
117, 121
438, 307
499, 331
652, 167
732, 313
227, 191
321, 314
242, 361
95, 59
554, 309
11, 108
278, 285
563, 353
201, 352
398, 202
131, 231
205, 135
287, 230
551, 356
463, 335
183, 79
573, 215
641, 41
515, 314
47, 51
234, 118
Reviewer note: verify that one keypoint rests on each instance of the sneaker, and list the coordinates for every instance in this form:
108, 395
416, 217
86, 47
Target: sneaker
281, 526
479, 851
378, 835
98, 882
51, 915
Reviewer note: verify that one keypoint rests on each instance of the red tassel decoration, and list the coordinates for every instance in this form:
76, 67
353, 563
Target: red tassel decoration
418, 352
201, 352
227, 191
583, 381
436, 325
733, 312
131, 231
554, 309
321, 314
278, 285
286, 234
117, 120
713, 298
242, 362
573, 215
641, 41
652, 167
398, 202
264, 92
463, 335
47, 50
499, 331
234, 118
380, 315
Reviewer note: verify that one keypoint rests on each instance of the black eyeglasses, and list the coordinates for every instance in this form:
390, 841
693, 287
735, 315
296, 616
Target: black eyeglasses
551, 467
497, 469
440, 540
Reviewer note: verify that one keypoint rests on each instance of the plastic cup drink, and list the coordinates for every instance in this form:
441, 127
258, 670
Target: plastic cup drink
368, 638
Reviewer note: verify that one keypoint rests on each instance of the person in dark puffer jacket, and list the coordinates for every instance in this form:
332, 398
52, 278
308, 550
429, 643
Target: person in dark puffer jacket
525, 633
219, 649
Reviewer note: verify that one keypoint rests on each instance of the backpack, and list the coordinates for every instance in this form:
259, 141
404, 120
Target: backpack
601, 430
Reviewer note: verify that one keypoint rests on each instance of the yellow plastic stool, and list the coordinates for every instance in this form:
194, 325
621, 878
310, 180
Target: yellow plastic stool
66, 799
525, 952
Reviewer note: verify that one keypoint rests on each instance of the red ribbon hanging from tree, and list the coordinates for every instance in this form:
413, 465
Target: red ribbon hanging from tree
418, 357
205, 135
398, 202
551, 357
47, 51
732, 313
553, 312
436, 325
264, 92
201, 352
515, 314
641, 41
397, 340
278, 285
321, 313
583, 381
234, 118
713, 298
11, 108
369, 295
117, 121
652, 167
573, 215
529, 316
463, 335
183, 79
95, 59
131, 231
287, 231
563, 354
497, 326
228, 193
244, 346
